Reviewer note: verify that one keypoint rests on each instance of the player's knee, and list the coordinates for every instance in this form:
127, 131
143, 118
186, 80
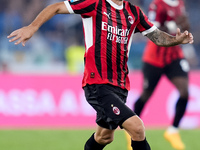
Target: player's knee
184, 94
104, 139
139, 132
135, 127
183, 91
146, 95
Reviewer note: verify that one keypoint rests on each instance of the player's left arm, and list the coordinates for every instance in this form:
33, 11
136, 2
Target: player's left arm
161, 38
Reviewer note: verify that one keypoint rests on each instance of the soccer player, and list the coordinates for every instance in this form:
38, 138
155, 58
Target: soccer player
167, 15
108, 29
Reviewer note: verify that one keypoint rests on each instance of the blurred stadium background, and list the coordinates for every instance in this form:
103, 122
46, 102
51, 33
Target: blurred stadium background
40, 84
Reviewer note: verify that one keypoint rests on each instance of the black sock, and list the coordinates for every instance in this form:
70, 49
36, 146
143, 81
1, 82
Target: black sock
180, 110
91, 144
140, 145
138, 106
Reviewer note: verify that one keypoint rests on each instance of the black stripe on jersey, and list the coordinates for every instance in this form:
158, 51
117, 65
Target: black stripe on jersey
136, 30
119, 71
109, 47
126, 14
85, 10
76, 2
85, 16
134, 11
98, 38
125, 69
143, 22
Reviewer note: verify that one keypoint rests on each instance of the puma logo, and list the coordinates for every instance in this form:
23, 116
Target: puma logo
108, 15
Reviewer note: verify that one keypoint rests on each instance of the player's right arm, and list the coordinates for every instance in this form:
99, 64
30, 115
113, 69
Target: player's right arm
22, 35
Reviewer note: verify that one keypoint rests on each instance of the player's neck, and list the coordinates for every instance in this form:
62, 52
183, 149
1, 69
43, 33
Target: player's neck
118, 2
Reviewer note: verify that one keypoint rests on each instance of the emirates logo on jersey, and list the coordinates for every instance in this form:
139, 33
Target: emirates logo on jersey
130, 19
115, 110
116, 34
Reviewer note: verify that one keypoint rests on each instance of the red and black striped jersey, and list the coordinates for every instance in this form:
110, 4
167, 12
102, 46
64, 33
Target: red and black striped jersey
164, 13
108, 30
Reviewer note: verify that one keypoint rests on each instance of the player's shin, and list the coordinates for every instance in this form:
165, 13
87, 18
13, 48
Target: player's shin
91, 144
140, 145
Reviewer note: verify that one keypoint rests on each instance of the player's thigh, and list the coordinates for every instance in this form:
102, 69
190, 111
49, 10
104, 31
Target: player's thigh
181, 83
178, 68
177, 72
151, 76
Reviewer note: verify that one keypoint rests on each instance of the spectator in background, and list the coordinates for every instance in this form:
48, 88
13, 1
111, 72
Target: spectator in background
61, 28
32, 8
167, 15
74, 55
12, 15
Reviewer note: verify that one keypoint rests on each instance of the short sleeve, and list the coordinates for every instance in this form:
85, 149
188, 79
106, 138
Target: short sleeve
83, 7
144, 26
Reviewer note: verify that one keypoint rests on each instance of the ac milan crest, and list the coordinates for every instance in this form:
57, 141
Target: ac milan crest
116, 110
130, 19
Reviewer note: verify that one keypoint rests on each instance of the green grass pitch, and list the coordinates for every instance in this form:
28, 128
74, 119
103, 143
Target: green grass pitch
75, 139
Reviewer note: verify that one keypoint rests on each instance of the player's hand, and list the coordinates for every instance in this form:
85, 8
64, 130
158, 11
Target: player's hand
185, 37
22, 35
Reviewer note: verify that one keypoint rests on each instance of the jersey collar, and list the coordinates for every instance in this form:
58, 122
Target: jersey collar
115, 5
